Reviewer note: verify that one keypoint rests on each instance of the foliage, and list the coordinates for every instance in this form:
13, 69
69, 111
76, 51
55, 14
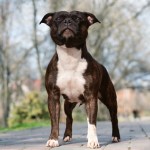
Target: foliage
103, 113
26, 125
79, 114
32, 107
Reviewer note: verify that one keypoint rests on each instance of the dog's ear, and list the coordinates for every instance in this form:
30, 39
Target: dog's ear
47, 19
91, 18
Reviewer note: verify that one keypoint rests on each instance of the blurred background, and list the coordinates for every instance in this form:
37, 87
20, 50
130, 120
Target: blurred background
120, 42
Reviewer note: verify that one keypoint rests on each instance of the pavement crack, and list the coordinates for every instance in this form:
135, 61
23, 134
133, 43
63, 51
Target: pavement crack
142, 129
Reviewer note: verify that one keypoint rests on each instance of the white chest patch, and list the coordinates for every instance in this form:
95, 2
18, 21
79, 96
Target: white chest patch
71, 67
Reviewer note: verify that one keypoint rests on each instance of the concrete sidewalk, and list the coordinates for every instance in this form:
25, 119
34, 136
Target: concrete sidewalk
134, 136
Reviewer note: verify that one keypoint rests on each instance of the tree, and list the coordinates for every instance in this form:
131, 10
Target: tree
35, 38
14, 55
4, 61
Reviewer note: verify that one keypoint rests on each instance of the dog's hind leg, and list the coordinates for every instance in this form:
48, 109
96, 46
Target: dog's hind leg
114, 121
68, 107
112, 107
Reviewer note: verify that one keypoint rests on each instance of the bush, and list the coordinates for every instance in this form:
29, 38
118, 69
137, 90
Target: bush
79, 114
32, 107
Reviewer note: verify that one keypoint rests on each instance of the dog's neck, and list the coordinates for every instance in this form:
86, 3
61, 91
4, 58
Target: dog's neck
63, 51
69, 58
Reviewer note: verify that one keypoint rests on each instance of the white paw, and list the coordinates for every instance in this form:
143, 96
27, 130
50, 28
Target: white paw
115, 139
52, 143
93, 142
67, 139
92, 136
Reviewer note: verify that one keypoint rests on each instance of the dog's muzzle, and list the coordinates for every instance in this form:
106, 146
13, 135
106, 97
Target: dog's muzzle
67, 33
67, 29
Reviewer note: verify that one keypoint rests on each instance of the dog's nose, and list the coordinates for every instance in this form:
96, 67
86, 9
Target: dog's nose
67, 21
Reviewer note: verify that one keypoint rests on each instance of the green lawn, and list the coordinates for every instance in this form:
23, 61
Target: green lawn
27, 125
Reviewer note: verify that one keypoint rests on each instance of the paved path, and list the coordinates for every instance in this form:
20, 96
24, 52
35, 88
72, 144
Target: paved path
134, 136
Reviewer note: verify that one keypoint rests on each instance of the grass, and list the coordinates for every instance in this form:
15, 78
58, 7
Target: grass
27, 125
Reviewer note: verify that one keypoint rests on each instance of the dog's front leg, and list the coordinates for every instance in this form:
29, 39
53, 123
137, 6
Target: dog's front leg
68, 107
91, 108
54, 110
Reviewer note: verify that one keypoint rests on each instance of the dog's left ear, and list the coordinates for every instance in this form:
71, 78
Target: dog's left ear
91, 18
47, 19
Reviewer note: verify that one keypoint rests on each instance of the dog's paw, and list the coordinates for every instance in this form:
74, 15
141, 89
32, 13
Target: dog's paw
93, 143
115, 139
52, 143
67, 139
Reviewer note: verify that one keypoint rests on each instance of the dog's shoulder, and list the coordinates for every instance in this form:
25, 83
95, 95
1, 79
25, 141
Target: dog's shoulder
51, 72
53, 63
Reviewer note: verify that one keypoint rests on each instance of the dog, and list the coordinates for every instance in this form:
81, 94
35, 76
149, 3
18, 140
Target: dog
77, 76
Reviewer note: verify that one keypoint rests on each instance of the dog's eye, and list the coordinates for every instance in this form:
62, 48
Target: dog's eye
58, 19
76, 18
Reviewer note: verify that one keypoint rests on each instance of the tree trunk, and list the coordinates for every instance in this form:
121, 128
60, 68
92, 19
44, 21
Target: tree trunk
5, 68
35, 40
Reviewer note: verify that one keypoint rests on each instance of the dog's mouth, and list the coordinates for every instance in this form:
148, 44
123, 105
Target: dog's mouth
67, 33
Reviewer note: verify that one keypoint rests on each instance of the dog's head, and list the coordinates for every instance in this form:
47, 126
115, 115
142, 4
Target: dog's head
69, 28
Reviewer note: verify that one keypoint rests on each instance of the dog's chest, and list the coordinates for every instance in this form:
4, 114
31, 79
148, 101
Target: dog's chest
71, 67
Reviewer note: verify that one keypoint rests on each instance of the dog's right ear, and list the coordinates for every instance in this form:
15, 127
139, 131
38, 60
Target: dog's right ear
47, 19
